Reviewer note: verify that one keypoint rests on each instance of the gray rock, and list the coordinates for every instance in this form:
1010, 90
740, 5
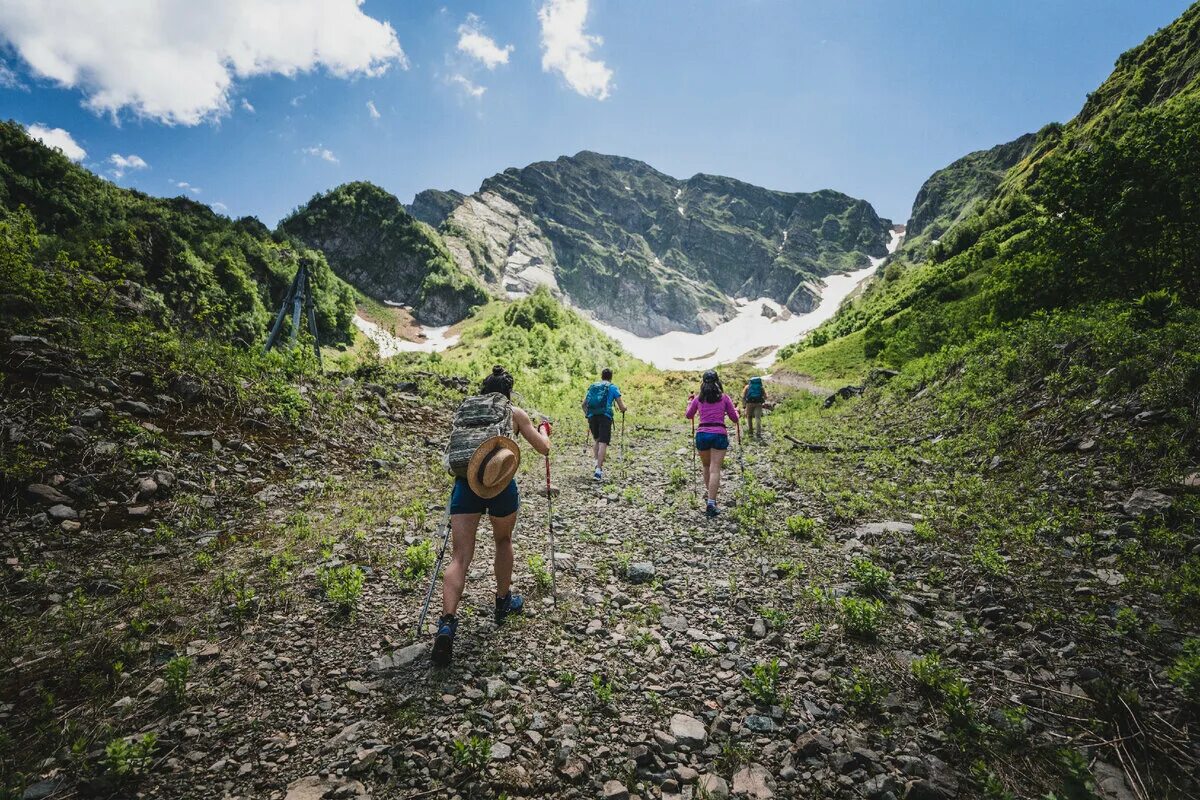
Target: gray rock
615, 790
1146, 501
62, 511
501, 752
640, 572
42, 789
137, 408
400, 658
760, 724
713, 787
688, 731
46, 494
759, 629
753, 781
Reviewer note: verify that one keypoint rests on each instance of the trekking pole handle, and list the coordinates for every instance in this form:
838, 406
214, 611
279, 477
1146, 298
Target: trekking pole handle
544, 427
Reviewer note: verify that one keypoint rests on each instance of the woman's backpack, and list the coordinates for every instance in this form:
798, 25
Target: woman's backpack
756, 392
478, 419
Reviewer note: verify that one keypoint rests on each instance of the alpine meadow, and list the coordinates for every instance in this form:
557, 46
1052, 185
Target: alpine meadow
593, 481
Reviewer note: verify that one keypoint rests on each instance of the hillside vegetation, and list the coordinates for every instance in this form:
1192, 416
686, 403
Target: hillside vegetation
202, 272
1101, 208
372, 242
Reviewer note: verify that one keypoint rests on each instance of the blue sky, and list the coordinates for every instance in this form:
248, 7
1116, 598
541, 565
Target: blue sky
863, 96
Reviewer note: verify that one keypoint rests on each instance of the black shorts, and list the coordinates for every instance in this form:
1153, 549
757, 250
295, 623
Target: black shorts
601, 427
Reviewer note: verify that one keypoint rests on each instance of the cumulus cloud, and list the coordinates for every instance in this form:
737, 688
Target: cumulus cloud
321, 152
372, 110
187, 187
219, 206
467, 85
59, 139
478, 45
246, 105
567, 49
122, 164
177, 61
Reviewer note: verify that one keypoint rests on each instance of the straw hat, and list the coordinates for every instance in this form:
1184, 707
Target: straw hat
492, 466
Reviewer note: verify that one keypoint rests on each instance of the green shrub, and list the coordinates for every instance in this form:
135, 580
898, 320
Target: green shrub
175, 673
801, 527
541, 575
763, 682
870, 578
471, 754
1185, 672
419, 558
128, 759
342, 585
862, 617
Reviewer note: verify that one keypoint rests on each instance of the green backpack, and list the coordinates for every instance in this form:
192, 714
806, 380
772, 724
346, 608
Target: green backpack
478, 419
755, 393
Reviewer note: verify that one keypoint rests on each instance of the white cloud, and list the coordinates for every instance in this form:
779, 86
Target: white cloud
176, 61
247, 106
187, 186
566, 49
372, 110
122, 164
472, 89
8, 78
57, 138
475, 43
321, 152
219, 206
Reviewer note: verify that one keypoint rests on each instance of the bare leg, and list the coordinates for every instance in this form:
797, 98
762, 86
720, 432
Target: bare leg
462, 530
714, 473
601, 451
705, 455
502, 528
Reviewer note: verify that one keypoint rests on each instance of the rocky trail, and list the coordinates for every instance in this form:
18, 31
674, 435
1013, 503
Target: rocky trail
235, 619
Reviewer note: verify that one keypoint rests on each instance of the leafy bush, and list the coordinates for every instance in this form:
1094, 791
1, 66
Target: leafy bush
127, 758
1185, 672
801, 527
862, 617
471, 754
175, 673
419, 558
541, 575
870, 578
342, 585
763, 682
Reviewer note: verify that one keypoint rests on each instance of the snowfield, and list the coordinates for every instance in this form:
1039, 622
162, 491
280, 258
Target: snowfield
748, 330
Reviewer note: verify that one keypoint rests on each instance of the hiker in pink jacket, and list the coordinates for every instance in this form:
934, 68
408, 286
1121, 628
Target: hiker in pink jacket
712, 438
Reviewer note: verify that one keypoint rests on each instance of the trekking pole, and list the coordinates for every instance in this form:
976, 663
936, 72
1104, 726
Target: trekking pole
623, 469
741, 461
550, 521
692, 444
437, 567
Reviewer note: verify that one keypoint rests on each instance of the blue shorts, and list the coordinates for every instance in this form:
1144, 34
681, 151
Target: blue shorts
465, 501
711, 441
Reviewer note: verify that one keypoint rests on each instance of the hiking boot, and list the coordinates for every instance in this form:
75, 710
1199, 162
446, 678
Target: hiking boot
509, 604
443, 642
710, 509
598, 474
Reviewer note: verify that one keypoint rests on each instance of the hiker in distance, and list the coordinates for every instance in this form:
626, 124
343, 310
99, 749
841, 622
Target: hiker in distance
712, 437
598, 406
483, 456
754, 395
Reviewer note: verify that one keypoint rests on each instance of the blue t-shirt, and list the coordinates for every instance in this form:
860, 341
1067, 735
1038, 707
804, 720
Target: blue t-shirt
613, 394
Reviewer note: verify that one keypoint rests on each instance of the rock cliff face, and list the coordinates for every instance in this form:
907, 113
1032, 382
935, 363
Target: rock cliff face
648, 252
373, 243
953, 192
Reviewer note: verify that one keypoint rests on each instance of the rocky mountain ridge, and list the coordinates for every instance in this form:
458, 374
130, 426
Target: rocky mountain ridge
646, 251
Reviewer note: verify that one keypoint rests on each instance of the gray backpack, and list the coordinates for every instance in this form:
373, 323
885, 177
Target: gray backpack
478, 419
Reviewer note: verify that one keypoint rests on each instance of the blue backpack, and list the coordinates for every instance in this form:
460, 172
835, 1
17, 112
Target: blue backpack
597, 398
755, 393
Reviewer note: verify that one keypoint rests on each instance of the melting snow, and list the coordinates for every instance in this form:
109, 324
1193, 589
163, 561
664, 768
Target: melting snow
747, 330
435, 339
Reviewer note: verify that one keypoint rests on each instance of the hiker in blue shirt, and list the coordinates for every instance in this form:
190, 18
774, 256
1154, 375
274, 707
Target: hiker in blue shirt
598, 406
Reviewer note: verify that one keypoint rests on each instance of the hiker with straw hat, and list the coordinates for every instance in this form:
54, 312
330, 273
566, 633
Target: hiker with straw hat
483, 456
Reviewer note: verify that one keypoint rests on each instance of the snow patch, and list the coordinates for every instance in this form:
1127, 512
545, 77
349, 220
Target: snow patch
434, 339
747, 330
